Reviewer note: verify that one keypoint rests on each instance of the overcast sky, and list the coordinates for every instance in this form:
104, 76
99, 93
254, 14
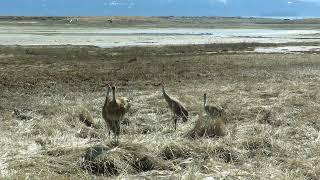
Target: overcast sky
300, 8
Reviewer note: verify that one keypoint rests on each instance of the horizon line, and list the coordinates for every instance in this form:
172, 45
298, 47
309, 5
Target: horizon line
246, 17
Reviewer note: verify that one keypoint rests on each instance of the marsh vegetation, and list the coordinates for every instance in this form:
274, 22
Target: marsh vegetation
51, 124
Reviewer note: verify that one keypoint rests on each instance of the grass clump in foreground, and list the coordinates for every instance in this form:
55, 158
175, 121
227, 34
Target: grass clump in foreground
91, 161
113, 160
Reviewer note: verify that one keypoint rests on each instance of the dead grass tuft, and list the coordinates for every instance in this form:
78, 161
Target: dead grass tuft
43, 142
208, 127
226, 154
63, 151
176, 151
256, 143
88, 132
267, 116
113, 160
260, 146
86, 118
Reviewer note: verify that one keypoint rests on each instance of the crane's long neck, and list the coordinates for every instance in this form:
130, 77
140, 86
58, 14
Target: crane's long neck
204, 100
165, 95
107, 97
108, 92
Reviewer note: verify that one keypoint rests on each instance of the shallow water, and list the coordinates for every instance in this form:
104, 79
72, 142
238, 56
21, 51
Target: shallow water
115, 37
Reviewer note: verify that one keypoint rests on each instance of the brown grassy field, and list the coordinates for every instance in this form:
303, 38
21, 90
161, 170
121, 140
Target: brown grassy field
272, 104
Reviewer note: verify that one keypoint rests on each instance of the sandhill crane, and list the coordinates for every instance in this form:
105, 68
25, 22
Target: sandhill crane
212, 110
176, 107
113, 111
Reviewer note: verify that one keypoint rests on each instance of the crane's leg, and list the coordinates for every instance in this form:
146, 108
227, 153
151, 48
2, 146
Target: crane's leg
175, 122
173, 116
114, 140
109, 132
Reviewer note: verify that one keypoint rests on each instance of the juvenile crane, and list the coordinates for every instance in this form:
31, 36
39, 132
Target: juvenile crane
176, 107
113, 111
212, 110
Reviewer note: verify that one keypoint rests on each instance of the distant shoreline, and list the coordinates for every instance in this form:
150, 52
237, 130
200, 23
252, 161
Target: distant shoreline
222, 17
282, 17
292, 23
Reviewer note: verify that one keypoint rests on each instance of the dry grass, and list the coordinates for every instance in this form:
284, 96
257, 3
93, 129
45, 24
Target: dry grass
208, 127
120, 159
271, 128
